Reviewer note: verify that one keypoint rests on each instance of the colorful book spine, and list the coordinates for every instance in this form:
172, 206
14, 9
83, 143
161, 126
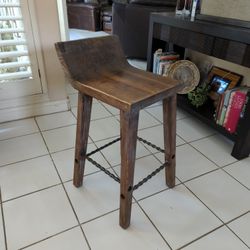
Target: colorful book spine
236, 103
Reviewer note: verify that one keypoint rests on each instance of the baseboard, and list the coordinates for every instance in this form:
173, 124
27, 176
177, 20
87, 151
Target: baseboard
28, 108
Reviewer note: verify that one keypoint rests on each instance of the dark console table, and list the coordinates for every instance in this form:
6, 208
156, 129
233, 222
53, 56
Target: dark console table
223, 38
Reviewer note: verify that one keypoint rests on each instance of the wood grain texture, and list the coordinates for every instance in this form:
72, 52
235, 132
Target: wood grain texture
129, 126
82, 132
169, 131
105, 74
98, 68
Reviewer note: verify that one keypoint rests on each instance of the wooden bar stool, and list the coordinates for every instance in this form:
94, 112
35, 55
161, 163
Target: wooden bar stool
98, 68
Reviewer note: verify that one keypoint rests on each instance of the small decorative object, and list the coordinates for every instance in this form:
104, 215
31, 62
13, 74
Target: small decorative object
220, 80
199, 96
183, 7
186, 72
193, 11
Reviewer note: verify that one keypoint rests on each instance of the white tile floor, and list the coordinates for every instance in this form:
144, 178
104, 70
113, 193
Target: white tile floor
41, 209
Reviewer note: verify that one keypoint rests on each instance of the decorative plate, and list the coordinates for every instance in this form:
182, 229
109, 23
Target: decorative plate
186, 72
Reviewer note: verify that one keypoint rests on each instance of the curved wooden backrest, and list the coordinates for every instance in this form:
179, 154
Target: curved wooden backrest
90, 59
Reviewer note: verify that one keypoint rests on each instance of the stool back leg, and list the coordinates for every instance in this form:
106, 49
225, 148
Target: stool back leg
82, 132
129, 127
169, 131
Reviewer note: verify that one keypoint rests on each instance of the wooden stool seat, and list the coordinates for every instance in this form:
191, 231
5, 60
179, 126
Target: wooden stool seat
97, 68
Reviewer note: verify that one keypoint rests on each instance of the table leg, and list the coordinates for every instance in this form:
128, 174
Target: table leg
169, 130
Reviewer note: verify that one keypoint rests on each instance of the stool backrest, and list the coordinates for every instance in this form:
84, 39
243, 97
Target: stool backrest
90, 59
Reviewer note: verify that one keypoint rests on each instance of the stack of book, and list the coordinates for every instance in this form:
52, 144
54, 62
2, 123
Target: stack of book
162, 61
231, 107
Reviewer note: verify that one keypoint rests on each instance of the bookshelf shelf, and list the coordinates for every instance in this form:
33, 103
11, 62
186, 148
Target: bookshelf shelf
226, 39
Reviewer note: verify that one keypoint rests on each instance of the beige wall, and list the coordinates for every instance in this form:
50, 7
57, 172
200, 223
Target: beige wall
49, 32
239, 9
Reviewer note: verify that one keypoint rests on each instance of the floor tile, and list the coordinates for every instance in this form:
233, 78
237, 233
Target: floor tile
112, 152
217, 148
155, 135
27, 176
17, 128
191, 129
74, 111
181, 114
98, 112
56, 120
139, 64
104, 128
159, 103
141, 235
37, 216
71, 239
19, 148
241, 227
2, 242
60, 138
221, 239
111, 109
75, 34
179, 216
73, 98
189, 163
240, 171
64, 161
146, 120
70, 89
144, 167
156, 111
98, 195
226, 197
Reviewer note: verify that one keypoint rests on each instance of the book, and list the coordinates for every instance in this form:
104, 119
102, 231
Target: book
162, 61
236, 103
223, 107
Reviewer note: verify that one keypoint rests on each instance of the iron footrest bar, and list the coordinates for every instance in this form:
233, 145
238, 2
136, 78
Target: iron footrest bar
117, 179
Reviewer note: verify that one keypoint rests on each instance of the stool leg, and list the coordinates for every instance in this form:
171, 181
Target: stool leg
82, 132
129, 126
169, 128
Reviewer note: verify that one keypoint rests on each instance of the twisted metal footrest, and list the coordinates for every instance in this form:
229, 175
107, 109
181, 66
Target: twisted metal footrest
117, 179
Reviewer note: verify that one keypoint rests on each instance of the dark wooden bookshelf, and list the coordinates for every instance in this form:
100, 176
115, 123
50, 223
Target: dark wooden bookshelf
227, 39
205, 113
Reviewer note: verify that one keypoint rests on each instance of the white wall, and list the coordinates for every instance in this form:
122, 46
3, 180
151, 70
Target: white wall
49, 31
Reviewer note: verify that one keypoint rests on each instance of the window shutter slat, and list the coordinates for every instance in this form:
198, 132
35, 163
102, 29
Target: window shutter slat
14, 65
12, 42
14, 57
15, 75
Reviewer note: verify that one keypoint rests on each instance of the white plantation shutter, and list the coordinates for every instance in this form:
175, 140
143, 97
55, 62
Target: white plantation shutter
19, 75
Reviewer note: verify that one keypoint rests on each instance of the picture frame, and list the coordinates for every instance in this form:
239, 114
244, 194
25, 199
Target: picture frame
221, 79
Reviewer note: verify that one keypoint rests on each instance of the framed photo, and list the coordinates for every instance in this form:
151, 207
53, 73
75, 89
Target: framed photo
221, 80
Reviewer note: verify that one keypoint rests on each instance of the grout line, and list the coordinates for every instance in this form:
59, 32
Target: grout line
222, 168
67, 195
200, 237
152, 223
30, 193
28, 159
49, 237
233, 231
18, 136
3, 220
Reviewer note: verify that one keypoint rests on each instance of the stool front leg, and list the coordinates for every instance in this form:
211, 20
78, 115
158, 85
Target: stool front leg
129, 127
82, 133
169, 129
